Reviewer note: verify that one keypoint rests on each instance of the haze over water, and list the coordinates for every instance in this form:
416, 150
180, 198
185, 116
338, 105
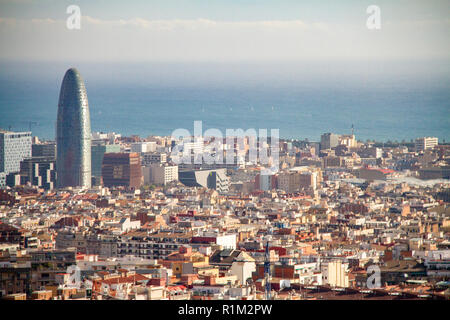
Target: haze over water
384, 101
303, 67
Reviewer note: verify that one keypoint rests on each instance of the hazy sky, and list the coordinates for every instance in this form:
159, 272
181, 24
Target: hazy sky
224, 30
144, 50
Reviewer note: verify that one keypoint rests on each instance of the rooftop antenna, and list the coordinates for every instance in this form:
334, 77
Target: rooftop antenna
30, 123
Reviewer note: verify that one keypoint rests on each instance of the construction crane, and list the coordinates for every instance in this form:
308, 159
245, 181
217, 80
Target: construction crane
268, 289
30, 123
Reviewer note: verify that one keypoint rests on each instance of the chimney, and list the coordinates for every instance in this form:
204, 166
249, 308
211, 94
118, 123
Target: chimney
185, 249
210, 280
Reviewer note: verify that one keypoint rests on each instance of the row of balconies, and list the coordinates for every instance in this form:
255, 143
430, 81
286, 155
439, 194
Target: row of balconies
147, 246
145, 251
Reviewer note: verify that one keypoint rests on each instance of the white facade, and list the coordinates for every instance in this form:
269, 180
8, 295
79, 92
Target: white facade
438, 263
126, 224
426, 143
227, 241
348, 140
160, 174
111, 136
14, 147
142, 147
335, 274
149, 158
243, 270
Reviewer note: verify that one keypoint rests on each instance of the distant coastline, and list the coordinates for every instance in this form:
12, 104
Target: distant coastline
150, 102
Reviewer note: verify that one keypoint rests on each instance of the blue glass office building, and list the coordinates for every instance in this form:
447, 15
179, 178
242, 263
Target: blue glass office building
73, 133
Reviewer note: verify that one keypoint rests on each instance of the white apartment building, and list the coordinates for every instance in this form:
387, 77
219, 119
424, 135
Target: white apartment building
348, 140
160, 174
142, 147
149, 158
298, 178
243, 268
426, 143
153, 246
335, 273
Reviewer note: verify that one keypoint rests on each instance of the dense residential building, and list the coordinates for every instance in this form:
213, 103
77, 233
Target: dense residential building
15, 278
348, 140
10, 234
266, 182
329, 140
314, 229
46, 265
101, 245
160, 174
143, 147
151, 246
300, 178
441, 172
426, 143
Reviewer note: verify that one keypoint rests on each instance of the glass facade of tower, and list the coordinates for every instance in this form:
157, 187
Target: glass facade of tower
98, 152
73, 133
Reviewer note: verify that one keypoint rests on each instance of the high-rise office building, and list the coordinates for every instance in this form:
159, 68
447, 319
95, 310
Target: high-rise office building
73, 133
122, 169
328, 141
44, 149
37, 171
14, 147
97, 152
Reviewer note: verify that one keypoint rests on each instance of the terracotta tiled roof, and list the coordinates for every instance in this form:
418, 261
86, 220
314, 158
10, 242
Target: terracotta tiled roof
128, 279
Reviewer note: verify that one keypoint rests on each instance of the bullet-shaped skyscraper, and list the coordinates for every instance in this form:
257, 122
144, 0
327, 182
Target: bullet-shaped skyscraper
73, 133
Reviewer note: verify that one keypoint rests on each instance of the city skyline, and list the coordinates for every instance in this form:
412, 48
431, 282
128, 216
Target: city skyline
283, 64
256, 153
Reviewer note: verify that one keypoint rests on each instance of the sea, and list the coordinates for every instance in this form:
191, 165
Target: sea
157, 98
